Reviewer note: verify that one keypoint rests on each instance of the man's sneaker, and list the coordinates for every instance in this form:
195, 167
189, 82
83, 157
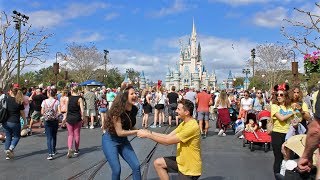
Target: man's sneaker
76, 152
220, 132
9, 153
224, 134
241, 137
204, 136
70, 152
91, 127
50, 157
153, 126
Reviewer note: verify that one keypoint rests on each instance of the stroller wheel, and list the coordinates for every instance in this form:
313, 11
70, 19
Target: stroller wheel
265, 147
251, 146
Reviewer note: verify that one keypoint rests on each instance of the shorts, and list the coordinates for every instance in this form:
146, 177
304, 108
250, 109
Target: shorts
90, 112
172, 112
102, 110
203, 116
36, 115
172, 167
159, 106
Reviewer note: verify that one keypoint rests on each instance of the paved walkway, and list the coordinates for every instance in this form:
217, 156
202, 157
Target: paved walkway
224, 158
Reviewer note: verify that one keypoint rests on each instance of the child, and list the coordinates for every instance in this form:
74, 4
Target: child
251, 126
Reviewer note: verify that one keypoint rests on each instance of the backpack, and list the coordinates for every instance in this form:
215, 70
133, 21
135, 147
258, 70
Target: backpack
49, 113
3, 109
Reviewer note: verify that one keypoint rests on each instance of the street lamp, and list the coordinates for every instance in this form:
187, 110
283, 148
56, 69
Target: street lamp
106, 52
19, 19
56, 67
294, 65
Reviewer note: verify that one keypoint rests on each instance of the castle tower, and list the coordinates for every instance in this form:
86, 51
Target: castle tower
196, 79
142, 82
206, 81
176, 79
230, 80
168, 76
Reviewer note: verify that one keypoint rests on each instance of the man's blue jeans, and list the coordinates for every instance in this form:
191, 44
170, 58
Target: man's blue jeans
113, 146
51, 128
12, 131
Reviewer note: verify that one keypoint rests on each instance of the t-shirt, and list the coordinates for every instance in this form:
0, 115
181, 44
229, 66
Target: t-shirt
246, 103
13, 109
131, 120
203, 102
280, 126
111, 96
173, 97
37, 101
191, 96
90, 99
188, 149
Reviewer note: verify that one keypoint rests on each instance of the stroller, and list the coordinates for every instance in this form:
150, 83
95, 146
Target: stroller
233, 116
260, 136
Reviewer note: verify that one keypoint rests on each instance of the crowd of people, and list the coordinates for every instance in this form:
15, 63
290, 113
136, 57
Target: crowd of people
115, 111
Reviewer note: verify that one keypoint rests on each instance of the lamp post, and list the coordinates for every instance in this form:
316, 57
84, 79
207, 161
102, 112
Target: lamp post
294, 66
106, 52
19, 19
246, 72
56, 67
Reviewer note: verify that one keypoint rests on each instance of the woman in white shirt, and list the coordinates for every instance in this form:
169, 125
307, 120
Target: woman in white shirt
245, 104
159, 108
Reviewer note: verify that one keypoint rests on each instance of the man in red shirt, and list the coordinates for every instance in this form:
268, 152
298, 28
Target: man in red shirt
204, 101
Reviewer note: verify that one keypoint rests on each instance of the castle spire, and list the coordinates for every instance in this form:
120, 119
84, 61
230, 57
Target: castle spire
194, 32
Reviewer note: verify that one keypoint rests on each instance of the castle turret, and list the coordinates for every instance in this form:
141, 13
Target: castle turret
176, 79
206, 81
230, 80
168, 76
142, 82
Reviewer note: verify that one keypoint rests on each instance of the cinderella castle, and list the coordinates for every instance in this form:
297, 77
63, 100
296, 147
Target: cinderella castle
190, 70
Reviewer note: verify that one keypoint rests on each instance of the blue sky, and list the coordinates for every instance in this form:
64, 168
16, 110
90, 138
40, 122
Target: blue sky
144, 34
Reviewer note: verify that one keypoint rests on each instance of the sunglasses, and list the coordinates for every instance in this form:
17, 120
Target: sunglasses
258, 92
246, 95
281, 95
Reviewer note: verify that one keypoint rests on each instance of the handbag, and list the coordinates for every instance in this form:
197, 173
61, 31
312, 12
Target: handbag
295, 175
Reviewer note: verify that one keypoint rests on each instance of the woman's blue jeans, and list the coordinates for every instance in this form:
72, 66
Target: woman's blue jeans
113, 146
12, 131
51, 128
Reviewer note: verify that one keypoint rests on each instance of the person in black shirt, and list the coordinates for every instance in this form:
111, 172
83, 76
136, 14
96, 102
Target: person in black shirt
120, 122
12, 125
37, 99
173, 103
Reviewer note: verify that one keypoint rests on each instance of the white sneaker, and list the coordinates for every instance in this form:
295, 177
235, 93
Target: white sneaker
224, 134
241, 137
91, 127
220, 132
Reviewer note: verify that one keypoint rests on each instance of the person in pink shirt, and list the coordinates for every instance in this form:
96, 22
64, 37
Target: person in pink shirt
203, 101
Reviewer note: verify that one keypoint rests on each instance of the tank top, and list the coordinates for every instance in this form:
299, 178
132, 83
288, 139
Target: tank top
73, 114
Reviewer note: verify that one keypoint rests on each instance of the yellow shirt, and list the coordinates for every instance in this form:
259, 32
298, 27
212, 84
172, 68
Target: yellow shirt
280, 126
314, 100
188, 149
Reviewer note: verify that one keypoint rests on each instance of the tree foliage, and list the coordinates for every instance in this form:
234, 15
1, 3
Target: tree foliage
83, 60
268, 62
33, 48
304, 32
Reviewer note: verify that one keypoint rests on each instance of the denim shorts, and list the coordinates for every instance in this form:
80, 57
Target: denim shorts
103, 110
203, 116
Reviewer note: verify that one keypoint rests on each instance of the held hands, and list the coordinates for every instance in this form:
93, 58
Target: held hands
143, 133
304, 164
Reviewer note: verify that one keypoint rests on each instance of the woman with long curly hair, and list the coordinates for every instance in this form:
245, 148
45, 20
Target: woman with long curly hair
120, 122
222, 104
281, 114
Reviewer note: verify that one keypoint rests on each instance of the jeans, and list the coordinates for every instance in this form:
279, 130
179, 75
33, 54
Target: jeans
11, 129
51, 128
112, 146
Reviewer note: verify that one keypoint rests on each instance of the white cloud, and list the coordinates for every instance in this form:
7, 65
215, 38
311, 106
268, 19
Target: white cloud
240, 2
177, 7
111, 16
83, 37
51, 18
271, 18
